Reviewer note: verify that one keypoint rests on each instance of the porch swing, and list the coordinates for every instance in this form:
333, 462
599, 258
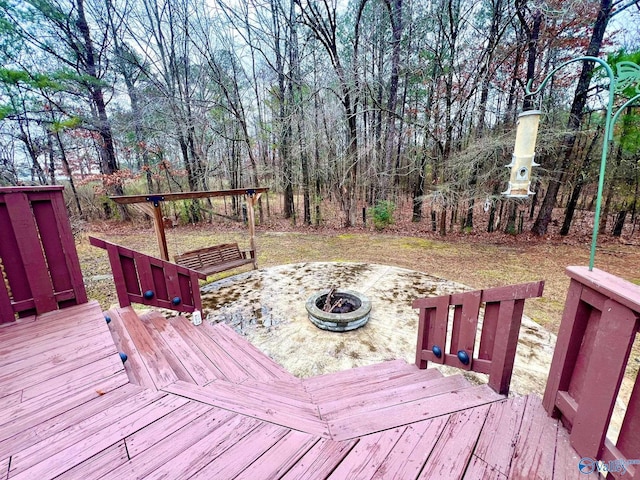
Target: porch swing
207, 260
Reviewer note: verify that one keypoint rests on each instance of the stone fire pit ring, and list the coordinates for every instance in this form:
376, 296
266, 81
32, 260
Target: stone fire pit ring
338, 322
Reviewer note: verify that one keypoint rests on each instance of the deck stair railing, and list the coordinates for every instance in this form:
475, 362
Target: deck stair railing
448, 328
39, 266
140, 278
599, 325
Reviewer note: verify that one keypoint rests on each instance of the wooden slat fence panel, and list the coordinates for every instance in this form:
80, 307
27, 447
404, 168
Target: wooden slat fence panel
599, 326
135, 274
39, 262
442, 336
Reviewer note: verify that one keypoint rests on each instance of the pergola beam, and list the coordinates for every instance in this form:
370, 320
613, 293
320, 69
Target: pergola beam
155, 210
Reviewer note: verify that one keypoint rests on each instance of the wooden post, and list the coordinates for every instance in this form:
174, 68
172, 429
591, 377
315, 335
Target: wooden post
158, 225
252, 198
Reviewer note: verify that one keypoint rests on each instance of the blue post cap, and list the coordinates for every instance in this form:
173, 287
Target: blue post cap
463, 357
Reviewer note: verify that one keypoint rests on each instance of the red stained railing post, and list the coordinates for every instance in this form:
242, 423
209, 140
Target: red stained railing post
599, 326
39, 262
499, 335
135, 273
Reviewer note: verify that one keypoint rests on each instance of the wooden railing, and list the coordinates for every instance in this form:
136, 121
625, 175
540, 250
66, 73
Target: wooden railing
39, 267
148, 280
599, 326
499, 330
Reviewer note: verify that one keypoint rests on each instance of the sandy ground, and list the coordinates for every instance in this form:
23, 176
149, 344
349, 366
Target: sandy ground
268, 307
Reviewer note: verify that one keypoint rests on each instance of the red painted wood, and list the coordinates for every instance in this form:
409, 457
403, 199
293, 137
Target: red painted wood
52, 245
149, 436
245, 451
500, 433
93, 440
368, 389
434, 312
222, 360
478, 469
452, 452
465, 339
368, 455
7, 315
12, 264
412, 450
489, 330
410, 412
256, 364
605, 369
532, 457
278, 413
320, 460
59, 248
629, 440
30, 252
615, 288
572, 328
389, 397
200, 454
135, 273
156, 363
580, 383
504, 352
197, 370
566, 459
280, 458
170, 447
100, 465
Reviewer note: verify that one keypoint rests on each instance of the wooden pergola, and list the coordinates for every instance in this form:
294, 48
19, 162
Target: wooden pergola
151, 204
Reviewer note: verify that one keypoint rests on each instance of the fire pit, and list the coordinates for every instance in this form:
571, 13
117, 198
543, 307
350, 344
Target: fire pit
344, 310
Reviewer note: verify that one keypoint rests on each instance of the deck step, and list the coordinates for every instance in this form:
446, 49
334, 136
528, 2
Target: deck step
388, 395
257, 364
364, 423
301, 417
333, 386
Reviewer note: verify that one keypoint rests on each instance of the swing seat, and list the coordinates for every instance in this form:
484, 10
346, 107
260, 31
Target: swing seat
215, 259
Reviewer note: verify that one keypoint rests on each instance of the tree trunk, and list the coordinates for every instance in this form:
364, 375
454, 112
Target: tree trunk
575, 117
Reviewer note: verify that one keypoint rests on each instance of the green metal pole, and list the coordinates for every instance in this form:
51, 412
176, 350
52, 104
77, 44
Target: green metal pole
630, 77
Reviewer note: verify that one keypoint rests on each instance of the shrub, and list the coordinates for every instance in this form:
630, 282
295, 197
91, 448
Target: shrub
382, 214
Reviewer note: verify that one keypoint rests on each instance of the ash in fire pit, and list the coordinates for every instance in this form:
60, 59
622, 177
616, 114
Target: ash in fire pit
338, 310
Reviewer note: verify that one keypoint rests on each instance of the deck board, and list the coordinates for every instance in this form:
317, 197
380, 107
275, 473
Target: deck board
155, 432
223, 410
453, 449
320, 460
281, 414
26, 432
134, 366
99, 465
412, 450
410, 412
228, 367
367, 456
203, 452
256, 364
500, 434
154, 361
534, 453
198, 371
382, 398
280, 458
242, 453
171, 444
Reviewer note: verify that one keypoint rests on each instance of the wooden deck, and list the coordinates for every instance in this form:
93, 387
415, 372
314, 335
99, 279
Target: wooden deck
201, 402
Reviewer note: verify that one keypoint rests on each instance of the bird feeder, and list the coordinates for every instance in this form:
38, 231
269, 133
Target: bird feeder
523, 155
